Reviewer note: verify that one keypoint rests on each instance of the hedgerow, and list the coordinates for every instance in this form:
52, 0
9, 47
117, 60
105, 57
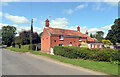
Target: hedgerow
108, 55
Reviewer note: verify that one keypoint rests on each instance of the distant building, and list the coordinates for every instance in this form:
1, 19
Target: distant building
63, 37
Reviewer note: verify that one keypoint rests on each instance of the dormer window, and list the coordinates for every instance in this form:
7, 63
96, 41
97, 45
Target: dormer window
60, 37
79, 38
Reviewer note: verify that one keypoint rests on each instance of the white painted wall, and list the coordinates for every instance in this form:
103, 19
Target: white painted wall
88, 45
51, 51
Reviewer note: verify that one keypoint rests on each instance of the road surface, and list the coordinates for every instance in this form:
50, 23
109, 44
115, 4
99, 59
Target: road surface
14, 63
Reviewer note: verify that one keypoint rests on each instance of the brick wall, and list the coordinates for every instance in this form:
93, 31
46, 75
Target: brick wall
45, 42
66, 41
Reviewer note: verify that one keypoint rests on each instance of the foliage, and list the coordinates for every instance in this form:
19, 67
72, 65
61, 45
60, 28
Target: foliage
107, 42
8, 35
31, 47
83, 44
0, 36
40, 36
25, 37
114, 34
98, 35
108, 55
17, 40
91, 35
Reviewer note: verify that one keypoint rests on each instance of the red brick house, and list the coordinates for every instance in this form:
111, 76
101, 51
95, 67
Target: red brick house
62, 37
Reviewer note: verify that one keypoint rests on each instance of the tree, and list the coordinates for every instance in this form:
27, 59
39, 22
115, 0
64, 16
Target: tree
91, 35
114, 34
8, 35
98, 35
31, 34
107, 42
0, 36
40, 36
24, 37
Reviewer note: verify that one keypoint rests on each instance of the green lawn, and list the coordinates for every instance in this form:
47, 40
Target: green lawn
105, 67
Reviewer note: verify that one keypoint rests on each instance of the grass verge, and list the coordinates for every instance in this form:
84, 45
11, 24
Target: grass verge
105, 67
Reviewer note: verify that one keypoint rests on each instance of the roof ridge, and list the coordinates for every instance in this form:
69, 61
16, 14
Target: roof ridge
65, 29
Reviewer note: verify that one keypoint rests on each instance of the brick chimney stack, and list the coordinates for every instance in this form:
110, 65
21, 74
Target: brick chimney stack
78, 29
86, 32
46, 23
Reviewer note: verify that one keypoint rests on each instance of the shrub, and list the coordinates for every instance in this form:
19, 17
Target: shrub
33, 47
108, 55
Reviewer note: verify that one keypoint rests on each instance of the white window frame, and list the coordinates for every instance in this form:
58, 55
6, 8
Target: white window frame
70, 44
99, 45
61, 44
95, 45
92, 45
79, 38
61, 37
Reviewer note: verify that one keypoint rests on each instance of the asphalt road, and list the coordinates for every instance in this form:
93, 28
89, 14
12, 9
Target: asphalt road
20, 64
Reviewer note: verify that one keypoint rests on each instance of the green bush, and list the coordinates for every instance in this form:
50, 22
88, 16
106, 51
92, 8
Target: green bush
108, 55
33, 47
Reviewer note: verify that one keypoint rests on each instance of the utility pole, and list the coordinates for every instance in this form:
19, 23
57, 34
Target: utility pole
31, 34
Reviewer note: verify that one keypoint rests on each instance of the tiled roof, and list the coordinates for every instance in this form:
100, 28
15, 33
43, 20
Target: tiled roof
88, 38
57, 31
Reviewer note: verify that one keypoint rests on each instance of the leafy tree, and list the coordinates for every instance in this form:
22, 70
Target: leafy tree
17, 40
100, 33
91, 35
107, 42
40, 36
31, 35
114, 34
99, 36
0, 36
8, 35
24, 37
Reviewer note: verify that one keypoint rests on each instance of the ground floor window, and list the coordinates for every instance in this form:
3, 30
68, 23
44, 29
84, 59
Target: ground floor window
95, 45
99, 46
70, 44
79, 45
92, 45
60, 44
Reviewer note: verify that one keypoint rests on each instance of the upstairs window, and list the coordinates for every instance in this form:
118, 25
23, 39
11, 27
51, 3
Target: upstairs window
79, 38
60, 37
60, 44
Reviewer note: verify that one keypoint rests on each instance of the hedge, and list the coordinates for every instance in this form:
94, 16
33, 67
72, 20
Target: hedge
108, 55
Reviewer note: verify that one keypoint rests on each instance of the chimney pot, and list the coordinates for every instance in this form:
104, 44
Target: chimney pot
46, 23
78, 29
86, 32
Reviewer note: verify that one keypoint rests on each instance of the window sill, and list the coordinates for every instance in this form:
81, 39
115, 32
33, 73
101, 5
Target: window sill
61, 39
